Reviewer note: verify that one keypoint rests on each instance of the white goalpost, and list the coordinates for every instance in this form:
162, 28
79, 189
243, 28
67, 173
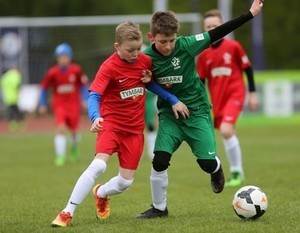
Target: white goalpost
29, 43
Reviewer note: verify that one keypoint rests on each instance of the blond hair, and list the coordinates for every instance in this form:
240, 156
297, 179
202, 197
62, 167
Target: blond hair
127, 31
213, 13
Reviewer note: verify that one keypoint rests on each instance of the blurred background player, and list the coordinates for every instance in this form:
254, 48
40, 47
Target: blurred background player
10, 83
223, 65
150, 119
151, 124
69, 95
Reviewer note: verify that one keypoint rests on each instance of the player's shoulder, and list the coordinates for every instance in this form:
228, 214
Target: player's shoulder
144, 57
109, 63
75, 66
113, 58
232, 42
53, 69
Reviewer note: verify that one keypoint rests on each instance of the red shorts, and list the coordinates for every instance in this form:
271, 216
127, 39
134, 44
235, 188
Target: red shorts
229, 114
128, 146
67, 117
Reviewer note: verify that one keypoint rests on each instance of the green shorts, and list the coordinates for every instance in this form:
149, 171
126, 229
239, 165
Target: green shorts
197, 131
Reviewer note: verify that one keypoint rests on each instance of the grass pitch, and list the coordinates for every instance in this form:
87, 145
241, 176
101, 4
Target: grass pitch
290, 75
33, 190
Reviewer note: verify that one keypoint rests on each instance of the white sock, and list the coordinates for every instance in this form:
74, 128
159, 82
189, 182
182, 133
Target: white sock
234, 154
60, 143
84, 184
159, 184
114, 186
151, 136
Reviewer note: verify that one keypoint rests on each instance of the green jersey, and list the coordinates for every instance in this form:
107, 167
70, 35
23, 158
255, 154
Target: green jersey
177, 72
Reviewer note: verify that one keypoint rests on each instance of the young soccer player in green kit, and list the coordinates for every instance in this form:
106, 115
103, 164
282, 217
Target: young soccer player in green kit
175, 70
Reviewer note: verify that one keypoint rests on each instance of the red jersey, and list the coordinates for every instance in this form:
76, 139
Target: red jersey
123, 93
223, 67
66, 84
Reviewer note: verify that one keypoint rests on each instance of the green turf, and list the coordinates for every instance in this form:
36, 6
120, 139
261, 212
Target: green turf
33, 190
291, 75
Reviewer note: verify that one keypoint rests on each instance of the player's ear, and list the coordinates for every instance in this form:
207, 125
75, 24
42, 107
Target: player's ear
150, 36
117, 46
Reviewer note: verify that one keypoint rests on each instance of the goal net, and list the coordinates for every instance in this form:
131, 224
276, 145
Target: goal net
30, 42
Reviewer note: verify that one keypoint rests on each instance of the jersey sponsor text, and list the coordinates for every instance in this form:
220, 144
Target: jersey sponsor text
170, 79
132, 92
65, 88
221, 71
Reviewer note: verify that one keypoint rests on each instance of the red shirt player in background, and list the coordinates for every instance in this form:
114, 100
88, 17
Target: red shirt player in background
222, 65
116, 107
69, 95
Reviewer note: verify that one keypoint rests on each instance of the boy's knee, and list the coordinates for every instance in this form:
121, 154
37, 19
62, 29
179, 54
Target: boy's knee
161, 160
208, 165
124, 184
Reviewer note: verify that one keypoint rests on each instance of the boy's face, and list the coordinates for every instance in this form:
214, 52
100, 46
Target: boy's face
164, 44
129, 49
211, 22
63, 60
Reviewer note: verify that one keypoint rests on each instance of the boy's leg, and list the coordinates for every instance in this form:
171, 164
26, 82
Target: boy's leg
81, 189
159, 176
232, 147
73, 125
203, 144
60, 139
75, 138
150, 114
159, 184
60, 143
234, 155
115, 185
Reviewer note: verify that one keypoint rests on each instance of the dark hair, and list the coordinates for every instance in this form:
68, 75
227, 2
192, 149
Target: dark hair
164, 22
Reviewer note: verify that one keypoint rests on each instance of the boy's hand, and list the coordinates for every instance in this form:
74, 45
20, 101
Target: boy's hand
42, 110
84, 105
147, 76
253, 102
182, 109
96, 126
256, 7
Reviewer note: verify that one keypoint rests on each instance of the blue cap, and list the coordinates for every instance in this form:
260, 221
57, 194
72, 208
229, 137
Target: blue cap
63, 49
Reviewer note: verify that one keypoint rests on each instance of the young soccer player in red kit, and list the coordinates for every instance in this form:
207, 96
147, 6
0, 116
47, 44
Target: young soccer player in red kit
222, 65
69, 95
116, 107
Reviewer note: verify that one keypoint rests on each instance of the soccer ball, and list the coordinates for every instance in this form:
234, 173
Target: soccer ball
250, 202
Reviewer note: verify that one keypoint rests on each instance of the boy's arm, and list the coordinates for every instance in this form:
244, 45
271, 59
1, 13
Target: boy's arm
224, 29
94, 112
158, 90
177, 105
252, 100
94, 105
84, 93
250, 78
43, 97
